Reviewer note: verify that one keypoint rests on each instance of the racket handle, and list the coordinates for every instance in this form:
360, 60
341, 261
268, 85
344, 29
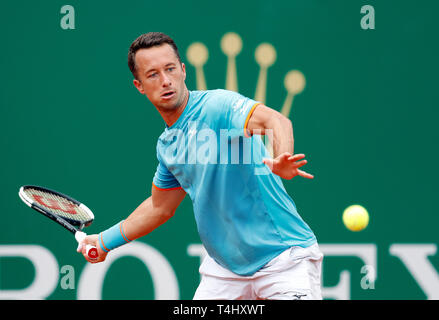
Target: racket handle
91, 251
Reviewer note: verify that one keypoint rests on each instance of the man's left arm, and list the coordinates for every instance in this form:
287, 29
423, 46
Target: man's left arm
267, 121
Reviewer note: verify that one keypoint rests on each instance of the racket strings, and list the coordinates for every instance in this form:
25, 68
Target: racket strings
59, 206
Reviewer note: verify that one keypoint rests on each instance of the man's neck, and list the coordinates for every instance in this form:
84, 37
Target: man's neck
171, 116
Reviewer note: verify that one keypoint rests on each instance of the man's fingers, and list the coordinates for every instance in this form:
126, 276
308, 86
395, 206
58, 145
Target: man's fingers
300, 163
305, 174
285, 155
296, 157
84, 249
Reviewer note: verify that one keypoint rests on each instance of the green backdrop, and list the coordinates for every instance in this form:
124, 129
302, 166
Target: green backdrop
71, 120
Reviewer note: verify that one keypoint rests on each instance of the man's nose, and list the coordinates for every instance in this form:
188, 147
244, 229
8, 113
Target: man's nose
166, 81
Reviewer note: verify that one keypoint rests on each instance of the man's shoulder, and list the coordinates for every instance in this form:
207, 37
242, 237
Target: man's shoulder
214, 93
205, 99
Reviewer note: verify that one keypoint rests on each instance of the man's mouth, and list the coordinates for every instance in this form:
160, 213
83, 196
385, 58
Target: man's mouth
168, 94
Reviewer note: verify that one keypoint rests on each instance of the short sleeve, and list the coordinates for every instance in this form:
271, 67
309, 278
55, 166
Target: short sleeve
235, 109
164, 179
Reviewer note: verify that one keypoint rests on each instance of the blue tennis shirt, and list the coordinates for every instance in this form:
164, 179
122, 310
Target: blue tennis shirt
243, 213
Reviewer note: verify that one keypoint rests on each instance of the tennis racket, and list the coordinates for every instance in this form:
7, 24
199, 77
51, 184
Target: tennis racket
66, 211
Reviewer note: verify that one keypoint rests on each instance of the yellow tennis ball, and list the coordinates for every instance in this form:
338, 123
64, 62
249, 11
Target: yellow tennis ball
355, 217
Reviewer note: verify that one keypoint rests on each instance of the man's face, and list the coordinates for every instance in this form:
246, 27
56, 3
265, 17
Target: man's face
161, 77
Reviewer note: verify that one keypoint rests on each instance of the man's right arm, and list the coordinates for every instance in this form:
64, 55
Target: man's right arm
153, 212
149, 215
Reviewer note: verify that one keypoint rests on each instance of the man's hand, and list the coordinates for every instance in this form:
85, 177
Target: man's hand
287, 166
92, 240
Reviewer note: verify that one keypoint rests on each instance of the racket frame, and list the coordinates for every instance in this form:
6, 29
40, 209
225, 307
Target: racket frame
74, 227
71, 225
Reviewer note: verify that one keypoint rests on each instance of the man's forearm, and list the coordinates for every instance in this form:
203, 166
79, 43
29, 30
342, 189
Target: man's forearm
281, 135
277, 127
144, 219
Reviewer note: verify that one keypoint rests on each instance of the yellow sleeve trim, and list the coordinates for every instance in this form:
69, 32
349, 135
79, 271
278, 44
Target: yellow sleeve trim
246, 133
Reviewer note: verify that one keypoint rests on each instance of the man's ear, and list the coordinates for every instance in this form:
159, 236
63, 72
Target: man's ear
183, 67
139, 86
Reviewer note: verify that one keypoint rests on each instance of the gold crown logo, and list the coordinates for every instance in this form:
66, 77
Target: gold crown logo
265, 56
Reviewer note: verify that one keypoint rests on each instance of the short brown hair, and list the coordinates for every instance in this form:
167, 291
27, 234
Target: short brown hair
145, 41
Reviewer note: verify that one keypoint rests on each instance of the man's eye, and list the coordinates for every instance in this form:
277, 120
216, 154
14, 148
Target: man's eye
152, 75
171, 69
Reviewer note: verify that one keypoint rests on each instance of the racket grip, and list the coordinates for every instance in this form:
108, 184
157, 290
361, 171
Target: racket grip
91, 251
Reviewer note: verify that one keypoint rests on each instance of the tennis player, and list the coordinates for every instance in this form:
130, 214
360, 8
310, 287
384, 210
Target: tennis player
258, 245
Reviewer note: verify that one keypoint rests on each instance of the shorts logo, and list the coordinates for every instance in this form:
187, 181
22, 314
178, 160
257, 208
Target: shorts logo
299, 296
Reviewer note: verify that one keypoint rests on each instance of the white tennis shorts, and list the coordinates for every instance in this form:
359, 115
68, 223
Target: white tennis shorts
292, 275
